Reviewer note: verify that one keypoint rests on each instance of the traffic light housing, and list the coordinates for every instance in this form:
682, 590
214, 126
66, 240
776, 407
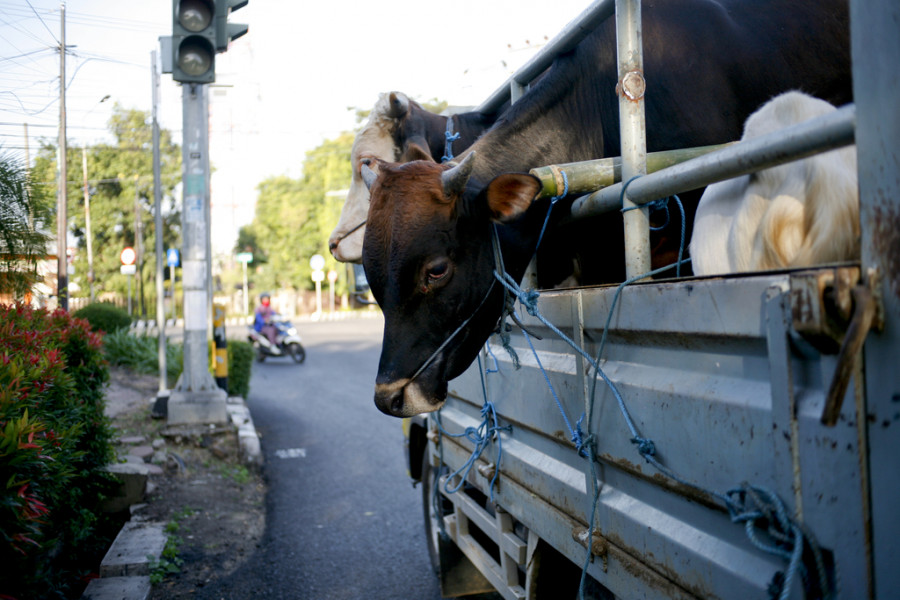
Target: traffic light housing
225, 31
194, 28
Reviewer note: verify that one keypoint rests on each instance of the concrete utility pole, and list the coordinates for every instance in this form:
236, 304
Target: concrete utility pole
196, 398
62, 217
158, 222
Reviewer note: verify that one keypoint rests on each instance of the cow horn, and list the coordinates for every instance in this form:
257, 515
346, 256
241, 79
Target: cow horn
398, 105
368, 176
454, 180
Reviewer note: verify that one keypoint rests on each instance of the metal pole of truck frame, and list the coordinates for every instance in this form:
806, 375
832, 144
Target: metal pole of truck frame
196, 397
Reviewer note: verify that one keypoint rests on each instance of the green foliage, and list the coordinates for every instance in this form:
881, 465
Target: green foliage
120, 183
237, 473
54, 444
141, 353
295, 217
169, 562
104, 317
240, 363
24, 215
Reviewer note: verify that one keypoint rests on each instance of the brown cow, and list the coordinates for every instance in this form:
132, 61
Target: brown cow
428, 248
398, 129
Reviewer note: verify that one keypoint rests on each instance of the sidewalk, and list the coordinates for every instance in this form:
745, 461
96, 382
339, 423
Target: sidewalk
200, 483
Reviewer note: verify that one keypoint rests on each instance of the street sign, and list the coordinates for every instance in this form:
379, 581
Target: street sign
128, 269
128, 256
317, 262
318, 275
172, 257
332, 276
244, 257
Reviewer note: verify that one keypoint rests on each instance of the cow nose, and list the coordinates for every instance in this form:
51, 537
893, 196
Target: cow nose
332, 244
389, 400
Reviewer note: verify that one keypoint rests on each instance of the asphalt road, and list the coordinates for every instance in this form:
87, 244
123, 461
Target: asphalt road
342, 519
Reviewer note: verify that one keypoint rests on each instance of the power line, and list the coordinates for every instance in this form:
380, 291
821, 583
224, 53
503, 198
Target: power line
28, 2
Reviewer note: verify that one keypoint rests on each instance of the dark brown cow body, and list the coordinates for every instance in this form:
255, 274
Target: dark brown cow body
427, 250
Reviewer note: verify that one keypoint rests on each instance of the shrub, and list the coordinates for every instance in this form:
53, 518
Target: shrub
141, 353
54, 442
104, 317
240, 362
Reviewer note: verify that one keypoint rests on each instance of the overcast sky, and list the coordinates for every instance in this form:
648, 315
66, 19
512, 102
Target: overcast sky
285, 86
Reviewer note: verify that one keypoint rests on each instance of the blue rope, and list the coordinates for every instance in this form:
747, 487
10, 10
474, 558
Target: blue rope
480, 437
449, 138
661, 204
575, 433
553, 202
788, 538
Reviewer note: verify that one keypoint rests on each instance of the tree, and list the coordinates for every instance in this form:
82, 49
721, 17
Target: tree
25, 217
295, 217
120, 184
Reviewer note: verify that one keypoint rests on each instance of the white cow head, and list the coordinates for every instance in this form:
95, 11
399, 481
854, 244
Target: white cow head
374, 141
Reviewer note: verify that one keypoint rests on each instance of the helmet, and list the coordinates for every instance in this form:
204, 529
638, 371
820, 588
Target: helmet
264, 295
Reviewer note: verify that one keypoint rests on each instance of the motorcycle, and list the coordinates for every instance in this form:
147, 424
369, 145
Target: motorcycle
288, 342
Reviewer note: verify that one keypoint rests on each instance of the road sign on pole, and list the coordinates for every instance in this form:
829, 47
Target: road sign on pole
172, 258
128, 255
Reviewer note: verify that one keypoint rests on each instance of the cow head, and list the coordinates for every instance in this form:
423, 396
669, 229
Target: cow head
429, 260
379, 139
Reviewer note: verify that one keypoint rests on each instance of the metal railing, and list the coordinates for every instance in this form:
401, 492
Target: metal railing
668, 174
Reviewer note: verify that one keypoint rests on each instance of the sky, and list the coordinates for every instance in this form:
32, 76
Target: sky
292, 82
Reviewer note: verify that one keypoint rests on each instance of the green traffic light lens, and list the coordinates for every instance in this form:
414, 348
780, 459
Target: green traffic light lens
194, 15
194, 59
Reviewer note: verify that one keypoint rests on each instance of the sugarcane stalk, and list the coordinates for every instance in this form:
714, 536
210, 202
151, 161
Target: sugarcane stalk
592, 175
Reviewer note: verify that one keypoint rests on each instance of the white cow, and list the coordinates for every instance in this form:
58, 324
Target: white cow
795, 215
398, 130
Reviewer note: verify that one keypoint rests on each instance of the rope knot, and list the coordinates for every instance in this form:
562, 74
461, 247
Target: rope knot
645, 446
529, 300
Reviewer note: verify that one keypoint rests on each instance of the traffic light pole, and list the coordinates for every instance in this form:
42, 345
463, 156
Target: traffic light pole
196, 398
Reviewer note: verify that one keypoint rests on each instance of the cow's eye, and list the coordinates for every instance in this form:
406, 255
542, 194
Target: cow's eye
437, 270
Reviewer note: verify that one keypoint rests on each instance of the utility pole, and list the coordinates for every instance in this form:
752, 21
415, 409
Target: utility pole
196, 397
62, 217
158, 221
87, 222
139, 245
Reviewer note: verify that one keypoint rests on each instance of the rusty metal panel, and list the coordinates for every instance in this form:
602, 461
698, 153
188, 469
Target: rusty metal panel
876, 87
712, 372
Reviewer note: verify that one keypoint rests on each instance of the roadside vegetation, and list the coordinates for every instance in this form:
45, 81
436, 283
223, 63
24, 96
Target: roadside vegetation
54, 444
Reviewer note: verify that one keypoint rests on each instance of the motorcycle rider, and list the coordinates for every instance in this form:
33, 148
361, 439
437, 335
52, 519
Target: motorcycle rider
262, 322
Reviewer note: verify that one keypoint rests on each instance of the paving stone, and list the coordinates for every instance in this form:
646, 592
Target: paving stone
132, 439
129, 553
145, 452
118, 588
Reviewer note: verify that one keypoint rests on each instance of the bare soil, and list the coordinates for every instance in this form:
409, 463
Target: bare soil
211, 502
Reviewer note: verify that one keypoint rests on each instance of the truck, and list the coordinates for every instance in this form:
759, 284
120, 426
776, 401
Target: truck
693, 437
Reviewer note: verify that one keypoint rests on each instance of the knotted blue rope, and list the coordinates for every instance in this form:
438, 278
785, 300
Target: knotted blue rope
449, 138
480, 437
661, 204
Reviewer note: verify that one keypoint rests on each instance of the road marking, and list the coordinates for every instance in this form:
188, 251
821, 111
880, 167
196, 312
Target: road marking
291, 453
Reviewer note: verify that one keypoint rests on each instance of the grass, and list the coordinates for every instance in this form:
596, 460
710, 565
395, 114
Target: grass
141, 353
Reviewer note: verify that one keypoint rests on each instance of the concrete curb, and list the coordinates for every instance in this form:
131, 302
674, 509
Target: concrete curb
125, 570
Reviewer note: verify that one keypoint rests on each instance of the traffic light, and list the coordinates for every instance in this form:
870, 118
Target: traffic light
225, 31
194, 28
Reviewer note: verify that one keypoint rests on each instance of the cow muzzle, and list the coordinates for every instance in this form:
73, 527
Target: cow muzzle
405, 398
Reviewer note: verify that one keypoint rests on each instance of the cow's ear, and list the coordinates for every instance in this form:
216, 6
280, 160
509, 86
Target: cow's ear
398, 105
509, 195
416, 150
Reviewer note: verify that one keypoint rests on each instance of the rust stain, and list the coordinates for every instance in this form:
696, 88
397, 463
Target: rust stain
661, 480
885, 228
